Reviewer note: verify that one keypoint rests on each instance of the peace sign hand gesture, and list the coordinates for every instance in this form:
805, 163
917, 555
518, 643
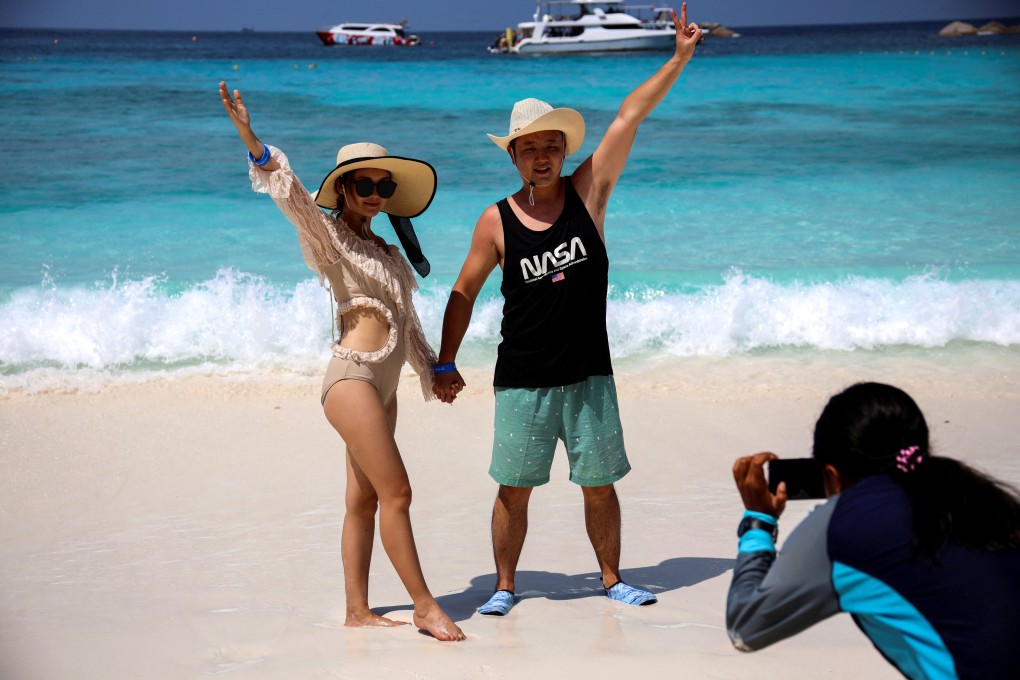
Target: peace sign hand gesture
687, 35
238, 112
235, 107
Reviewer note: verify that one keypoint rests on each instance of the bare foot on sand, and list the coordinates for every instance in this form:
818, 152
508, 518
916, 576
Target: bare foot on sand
367, 619
435, 621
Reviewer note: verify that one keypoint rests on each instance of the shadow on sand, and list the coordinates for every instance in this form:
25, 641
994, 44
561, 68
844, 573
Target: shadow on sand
671, 574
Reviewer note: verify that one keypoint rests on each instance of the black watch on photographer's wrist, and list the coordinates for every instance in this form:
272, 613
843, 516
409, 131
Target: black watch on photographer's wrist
749, 523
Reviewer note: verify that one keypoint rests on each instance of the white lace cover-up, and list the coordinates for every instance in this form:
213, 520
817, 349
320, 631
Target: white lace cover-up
361, 274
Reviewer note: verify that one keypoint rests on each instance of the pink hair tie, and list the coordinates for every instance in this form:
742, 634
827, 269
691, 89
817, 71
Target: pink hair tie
909, 458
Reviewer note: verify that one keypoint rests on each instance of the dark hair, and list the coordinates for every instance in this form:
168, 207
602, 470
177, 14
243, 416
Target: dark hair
341, 197
863, 429
512, 144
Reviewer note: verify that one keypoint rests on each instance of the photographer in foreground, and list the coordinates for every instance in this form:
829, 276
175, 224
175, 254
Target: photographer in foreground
923, 551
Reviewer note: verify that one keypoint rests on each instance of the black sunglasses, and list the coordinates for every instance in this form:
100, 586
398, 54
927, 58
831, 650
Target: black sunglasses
365, 187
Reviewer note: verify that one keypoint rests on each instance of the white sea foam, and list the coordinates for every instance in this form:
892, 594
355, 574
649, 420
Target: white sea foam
237, 324
747, 313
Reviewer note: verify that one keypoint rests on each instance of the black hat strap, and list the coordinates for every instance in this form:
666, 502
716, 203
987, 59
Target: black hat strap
409, 242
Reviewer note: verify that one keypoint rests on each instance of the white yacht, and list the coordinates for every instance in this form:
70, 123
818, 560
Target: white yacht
571, 26
366, 34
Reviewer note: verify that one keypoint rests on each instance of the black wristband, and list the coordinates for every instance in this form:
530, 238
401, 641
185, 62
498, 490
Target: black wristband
749, 523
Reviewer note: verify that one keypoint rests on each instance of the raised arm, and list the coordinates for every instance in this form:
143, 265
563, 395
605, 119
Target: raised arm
772, 598
275, 177
597, 175
485, 254
239, 116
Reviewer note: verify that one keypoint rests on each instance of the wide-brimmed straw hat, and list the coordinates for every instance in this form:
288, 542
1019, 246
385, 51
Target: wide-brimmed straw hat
416, 180
534, 115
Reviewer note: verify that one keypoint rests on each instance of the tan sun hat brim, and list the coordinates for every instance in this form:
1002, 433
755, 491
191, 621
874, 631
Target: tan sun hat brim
416, 180
567, 121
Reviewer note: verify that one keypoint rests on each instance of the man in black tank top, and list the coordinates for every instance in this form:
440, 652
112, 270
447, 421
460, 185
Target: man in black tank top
553, 362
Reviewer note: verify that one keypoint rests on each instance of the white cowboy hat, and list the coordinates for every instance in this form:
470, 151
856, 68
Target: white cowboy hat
416, 180
534, 115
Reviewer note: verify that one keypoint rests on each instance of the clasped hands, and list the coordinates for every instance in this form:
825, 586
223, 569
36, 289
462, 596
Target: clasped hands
446, 386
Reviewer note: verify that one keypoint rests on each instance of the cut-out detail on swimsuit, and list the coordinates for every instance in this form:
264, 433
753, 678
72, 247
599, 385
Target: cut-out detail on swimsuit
365, 302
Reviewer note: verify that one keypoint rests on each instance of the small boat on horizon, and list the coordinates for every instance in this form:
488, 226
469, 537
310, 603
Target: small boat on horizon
576, 26
373, 34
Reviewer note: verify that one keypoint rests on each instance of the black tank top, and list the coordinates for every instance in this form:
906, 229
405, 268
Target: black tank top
554, 289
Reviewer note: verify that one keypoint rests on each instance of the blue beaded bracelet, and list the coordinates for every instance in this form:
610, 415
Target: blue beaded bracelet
265, 156
443, 368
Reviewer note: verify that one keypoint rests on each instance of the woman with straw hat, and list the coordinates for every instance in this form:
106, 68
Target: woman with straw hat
379, 331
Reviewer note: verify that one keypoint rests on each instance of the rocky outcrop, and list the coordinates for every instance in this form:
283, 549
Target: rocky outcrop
716, 30
958, 28
993, 27
997, 28
990, 28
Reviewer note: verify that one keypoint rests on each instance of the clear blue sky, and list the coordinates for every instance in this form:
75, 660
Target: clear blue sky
460, 15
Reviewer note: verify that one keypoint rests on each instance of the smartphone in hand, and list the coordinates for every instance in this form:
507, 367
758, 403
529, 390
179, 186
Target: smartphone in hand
803, 477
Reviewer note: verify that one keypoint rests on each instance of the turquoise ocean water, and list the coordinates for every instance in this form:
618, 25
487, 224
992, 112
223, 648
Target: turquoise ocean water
802, 189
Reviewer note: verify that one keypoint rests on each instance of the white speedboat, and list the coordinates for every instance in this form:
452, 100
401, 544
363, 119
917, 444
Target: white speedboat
366, 34
572, 26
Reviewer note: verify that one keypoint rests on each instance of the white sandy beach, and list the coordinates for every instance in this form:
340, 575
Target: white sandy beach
191, 527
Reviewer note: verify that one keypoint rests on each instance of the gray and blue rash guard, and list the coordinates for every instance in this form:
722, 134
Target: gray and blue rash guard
955, 617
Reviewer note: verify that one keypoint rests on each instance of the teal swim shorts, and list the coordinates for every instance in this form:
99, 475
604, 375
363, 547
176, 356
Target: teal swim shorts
584, 415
